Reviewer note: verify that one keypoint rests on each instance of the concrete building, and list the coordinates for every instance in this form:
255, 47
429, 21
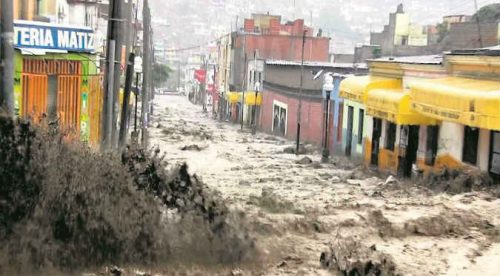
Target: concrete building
466, 103
380, 126
272, 40
402, 38
399, 32
278, 114
450, 19
50, 11
223, 101
428, 114
465, 35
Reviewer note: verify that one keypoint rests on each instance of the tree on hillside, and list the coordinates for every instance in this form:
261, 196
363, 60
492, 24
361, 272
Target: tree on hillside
443, 31
161, 72
490, 13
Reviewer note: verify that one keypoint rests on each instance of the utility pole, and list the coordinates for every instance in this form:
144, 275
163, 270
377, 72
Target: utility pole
128, 27
146, 69
109, 82
299, 111
124, 118
179, 75
7, 58
256, 90
137, 76
109, 94
204, 86
244, 81
120, 38
328, 88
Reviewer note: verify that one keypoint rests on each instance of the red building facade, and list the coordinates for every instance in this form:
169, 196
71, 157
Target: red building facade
281, 94
265, 36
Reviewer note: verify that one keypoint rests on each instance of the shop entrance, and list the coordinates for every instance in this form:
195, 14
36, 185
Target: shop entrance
377, 132
35, 90
408, 147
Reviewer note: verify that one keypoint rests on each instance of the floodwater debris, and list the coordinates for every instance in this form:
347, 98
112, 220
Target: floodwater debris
304, 161
350, 257
66, 207
193, 147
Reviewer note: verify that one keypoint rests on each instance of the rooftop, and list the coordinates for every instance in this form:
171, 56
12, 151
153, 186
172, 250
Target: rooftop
430, 59
316, 64
488, 51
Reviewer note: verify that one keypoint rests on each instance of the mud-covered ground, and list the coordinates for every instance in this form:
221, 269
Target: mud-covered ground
297, 209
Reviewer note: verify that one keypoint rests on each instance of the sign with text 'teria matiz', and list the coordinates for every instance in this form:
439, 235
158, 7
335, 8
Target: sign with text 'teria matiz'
46, 36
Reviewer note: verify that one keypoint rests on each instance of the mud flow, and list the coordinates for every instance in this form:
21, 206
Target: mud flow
65, 208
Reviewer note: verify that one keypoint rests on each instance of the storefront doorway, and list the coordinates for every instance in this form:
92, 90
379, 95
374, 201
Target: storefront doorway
377, 131
408, 147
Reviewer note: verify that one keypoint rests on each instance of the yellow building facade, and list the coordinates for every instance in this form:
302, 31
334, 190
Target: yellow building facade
391, 127
33, 9
467, 103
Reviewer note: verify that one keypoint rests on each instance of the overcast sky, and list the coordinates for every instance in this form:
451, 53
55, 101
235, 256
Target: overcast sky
182, 23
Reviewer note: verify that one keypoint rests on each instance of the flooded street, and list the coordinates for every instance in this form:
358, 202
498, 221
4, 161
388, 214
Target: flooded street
297, 207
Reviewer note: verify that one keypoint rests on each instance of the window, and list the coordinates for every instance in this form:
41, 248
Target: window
341, 117
495, 153
471, 138
404, 40
38, 7
361, 121
390, 137
279, 120
431, 145
260, 77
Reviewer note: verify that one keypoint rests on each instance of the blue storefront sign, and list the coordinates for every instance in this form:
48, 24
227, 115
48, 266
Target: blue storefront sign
45, 36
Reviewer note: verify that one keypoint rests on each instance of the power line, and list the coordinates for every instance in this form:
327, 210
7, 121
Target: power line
197, 46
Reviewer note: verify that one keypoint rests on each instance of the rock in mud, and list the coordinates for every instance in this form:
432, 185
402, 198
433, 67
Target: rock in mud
289, 150
302, 149
450, 222
304, 161
245, 183
336, 179
456, 181
316, 165
192, 147
115, 271
382, 224
351, 257
391, 180
236, 272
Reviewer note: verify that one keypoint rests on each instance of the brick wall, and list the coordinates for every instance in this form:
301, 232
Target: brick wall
249, 25
281, 47
286, 47
465, 35
311, 122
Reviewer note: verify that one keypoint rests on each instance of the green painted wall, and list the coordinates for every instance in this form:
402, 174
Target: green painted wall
89, 67
356, 147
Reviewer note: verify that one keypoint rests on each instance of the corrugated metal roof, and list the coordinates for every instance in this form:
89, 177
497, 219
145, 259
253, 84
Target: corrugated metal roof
428, 59
316, 64
487, 51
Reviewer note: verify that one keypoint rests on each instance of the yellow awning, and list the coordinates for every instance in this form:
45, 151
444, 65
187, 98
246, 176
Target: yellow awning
467, 101
356, 88
394, 105
233, 97
250, 98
